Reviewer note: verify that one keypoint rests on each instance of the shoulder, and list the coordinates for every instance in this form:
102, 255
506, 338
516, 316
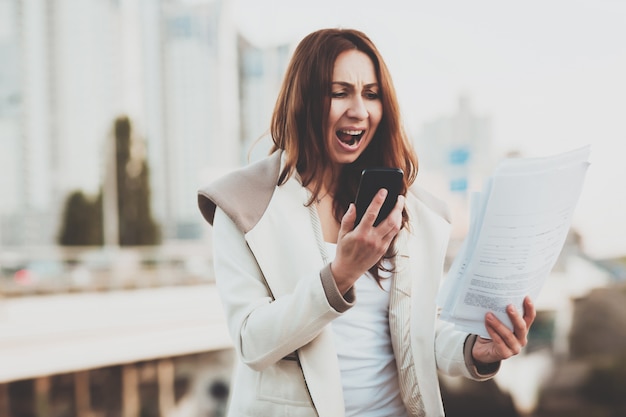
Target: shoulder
418, 195
242, 194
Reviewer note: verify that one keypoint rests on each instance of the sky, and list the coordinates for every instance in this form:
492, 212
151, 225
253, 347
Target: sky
550, 74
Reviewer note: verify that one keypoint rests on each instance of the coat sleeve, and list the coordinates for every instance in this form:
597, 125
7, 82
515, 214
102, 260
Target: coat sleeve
453, 350
265, 330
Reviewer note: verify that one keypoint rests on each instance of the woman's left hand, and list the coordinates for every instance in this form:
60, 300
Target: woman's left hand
504, 343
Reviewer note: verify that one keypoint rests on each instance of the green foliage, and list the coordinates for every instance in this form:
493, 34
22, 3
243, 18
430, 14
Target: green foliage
136, 225
81, 221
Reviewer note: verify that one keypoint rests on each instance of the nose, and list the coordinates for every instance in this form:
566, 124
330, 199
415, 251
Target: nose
357, 109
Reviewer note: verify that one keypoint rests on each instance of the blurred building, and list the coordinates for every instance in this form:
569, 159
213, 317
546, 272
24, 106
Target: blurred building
261, 72
25, 177
455, 155
189, 126
69, 89
70, 67
459, 146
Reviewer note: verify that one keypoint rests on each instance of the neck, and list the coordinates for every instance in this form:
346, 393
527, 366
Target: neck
325, 182
321, 197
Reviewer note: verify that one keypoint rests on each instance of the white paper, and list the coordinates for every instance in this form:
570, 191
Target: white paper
518, 225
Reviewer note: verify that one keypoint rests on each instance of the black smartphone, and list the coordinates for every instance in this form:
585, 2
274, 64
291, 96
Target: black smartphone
372, 180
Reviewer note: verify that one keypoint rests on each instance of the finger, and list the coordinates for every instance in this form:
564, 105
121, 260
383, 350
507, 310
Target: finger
520, 329
399, 207
529, 312
347, 221
393, 222
396, 212
491, 324
372, 210
500, 349
504, 334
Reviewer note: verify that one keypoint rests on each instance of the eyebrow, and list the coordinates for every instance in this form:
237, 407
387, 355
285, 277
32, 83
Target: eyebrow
346, 84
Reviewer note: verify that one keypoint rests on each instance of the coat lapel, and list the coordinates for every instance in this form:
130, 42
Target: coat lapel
283, 241
400, 300
412, 305
284, 230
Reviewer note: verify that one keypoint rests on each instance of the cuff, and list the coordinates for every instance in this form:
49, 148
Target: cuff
478, 371
340, 302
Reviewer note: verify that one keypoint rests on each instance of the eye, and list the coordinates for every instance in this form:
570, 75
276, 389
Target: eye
338, 94
371, 95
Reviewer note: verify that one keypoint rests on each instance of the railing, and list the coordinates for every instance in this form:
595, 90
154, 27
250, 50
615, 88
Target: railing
50, 270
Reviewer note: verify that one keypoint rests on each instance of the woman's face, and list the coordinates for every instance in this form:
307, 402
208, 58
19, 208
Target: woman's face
355, 107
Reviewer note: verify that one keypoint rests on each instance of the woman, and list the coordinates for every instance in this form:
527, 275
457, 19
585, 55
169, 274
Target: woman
329, 319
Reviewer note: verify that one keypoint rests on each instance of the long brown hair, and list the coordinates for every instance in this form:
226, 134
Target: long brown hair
302, 109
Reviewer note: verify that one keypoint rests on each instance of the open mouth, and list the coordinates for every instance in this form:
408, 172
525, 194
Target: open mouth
350, 137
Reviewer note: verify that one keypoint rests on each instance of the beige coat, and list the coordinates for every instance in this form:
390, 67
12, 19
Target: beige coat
279, 298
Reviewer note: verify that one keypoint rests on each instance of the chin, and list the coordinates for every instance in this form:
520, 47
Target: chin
344, 159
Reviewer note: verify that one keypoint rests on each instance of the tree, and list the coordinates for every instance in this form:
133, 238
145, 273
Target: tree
81, 221
136, 224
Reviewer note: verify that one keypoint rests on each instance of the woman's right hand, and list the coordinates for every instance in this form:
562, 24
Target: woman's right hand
359, 248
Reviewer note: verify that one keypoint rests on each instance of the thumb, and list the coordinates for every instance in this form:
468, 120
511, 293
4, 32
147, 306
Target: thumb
347, 221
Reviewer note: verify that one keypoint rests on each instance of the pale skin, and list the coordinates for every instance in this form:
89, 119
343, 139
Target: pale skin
356, 109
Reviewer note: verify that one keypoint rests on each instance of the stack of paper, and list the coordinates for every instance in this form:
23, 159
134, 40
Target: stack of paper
518, 225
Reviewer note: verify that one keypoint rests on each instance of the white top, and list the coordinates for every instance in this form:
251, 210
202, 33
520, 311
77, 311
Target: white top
368, 369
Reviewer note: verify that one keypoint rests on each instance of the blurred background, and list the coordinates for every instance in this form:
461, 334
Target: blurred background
114, 112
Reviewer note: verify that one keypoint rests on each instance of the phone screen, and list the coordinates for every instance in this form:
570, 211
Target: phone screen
372, 180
